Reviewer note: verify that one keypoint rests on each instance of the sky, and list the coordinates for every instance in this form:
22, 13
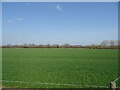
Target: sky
80, 23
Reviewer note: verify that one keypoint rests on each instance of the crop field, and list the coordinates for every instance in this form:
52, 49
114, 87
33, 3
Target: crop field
58, 67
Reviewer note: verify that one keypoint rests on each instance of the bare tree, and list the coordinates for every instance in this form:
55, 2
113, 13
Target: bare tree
105, 43
112, 43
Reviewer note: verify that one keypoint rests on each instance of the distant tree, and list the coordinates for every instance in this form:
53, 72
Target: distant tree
48, 46
40, 46
119, 43
66, 45
105, 43
94, 46
112, 43
24, 45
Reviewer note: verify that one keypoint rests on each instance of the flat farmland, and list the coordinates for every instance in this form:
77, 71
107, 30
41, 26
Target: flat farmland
58, 67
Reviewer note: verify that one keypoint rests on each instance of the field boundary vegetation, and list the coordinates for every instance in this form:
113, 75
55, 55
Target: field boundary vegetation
106, 44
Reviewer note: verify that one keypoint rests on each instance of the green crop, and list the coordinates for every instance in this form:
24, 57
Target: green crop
96, 67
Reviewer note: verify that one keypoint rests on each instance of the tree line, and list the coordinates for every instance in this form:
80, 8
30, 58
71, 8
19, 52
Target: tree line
106, 44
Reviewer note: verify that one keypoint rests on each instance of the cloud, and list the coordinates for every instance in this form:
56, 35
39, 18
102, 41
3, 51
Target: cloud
19, 19
15, 20
10, 21
59, 8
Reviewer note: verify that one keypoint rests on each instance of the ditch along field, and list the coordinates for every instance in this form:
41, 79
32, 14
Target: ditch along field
58, 68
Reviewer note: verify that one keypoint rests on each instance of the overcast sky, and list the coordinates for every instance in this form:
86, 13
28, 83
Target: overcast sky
59, 23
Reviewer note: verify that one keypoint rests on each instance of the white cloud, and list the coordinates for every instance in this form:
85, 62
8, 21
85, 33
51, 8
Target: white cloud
59, 8
19, 19
10, 21
15, 20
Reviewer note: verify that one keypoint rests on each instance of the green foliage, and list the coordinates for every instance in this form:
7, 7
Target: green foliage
59, 65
